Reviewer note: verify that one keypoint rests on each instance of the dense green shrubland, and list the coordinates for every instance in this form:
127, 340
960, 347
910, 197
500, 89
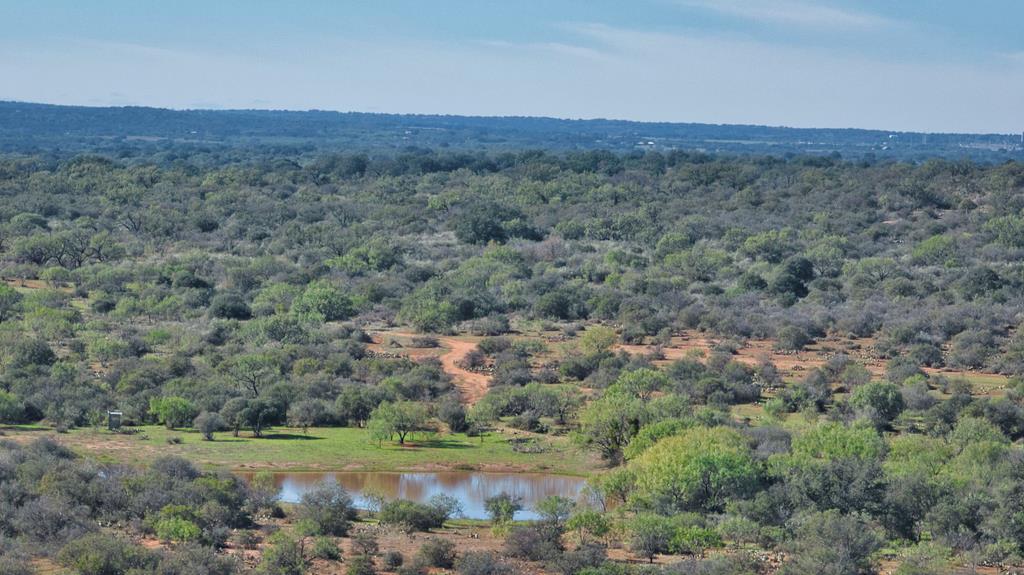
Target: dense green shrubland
192, 289
208, 279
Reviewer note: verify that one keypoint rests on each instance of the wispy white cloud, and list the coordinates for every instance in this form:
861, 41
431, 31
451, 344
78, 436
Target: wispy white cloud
552, 48
794, 13
142, 50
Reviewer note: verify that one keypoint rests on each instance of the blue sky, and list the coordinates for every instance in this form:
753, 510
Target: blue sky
937, 65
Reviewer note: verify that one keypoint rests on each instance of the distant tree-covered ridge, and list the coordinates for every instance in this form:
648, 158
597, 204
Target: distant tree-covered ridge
27, 126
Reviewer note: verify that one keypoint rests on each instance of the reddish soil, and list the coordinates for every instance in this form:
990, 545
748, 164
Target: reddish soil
35, 284
793, 365
472, 386
752, 352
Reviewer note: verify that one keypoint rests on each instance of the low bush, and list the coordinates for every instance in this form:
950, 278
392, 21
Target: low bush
361, 565
328, 509
437, 553
325, 548
481, 563
393, 559
412, 515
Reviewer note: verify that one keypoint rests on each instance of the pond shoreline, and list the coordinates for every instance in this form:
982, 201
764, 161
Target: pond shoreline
419, 468
471, 488
321, 450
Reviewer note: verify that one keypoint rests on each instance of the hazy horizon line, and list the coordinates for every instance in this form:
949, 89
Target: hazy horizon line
504, 116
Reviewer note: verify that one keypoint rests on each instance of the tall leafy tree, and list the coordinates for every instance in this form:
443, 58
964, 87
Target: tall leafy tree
398, 419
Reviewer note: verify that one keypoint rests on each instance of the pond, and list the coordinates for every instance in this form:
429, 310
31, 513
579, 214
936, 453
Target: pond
470, 487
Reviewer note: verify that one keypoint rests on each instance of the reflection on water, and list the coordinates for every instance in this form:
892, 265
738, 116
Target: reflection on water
471, 488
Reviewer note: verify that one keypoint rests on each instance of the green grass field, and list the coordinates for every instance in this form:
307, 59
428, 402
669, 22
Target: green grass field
322, 449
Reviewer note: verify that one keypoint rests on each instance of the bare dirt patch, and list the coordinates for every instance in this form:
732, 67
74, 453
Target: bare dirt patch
472, 386
794, 365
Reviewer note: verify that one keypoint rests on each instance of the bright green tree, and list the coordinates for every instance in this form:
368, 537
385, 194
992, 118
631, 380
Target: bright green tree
883, 401
502, 508
172, 411
588, 523
608, 424
397, 419
830, 441
698, 469
597, 339
10, 407
322, 301
641, 383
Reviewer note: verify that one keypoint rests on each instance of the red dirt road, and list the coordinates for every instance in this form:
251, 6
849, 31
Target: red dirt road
472, 386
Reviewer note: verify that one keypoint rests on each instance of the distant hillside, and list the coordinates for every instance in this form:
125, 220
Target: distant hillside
44, 127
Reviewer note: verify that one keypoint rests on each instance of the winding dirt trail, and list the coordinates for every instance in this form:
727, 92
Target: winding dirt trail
472, 386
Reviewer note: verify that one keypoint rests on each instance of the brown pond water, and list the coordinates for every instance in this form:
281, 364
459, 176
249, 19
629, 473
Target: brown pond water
471, 488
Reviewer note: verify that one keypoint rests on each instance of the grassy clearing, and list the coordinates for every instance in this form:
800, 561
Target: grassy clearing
989, 384
322, 449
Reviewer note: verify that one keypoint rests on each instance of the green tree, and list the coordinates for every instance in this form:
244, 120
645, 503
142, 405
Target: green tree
827, 256
854, 376
502, 508
328, 509
260, 412
642, 383
399, 418
10, 407
251, 372
437, 552
597, 339
305, 414
229, 306
177, 529
771, 246
173, 412
699, 469
830, 543
975, 431
365, 543
326, 548
480, 224
650, 535
882, 401
103, 554
565, 403
652, 433
830, 441
234, 412
791, 338
30, 351
429, 310
609, 423
1007, 230
555, 509
321, 301
10, 300
936, 250
208, 423
588, 523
